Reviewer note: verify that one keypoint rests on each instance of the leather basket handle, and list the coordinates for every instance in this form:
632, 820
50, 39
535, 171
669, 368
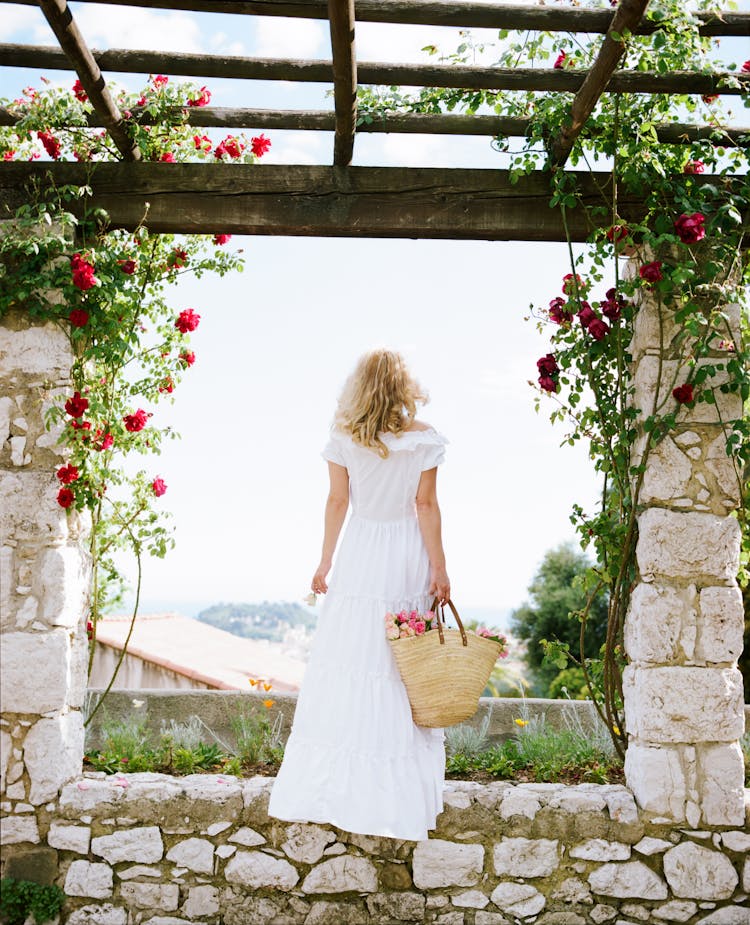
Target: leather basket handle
439, 612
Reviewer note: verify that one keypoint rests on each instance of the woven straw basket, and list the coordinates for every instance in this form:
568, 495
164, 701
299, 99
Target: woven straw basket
444, 672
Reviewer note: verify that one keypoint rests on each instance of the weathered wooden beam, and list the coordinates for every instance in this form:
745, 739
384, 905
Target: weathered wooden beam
60, 18
413, 75
464, 15
627, 16
408, 123
341, 19
323, 201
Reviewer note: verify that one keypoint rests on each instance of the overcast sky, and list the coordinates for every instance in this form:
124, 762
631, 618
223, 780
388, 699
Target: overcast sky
246, 482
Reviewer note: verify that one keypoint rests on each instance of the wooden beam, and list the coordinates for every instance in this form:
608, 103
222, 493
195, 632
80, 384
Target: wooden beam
412, 75
627, 16
323, 201
464, 15
341, 19
71, 41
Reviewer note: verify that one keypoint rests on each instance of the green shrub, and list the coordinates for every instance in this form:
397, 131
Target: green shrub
20, 897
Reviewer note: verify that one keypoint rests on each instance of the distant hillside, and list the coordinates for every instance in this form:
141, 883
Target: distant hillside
268, 620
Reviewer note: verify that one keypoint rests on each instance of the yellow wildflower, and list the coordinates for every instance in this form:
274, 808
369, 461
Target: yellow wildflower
521, 722
616, 730
267, 686
268, 704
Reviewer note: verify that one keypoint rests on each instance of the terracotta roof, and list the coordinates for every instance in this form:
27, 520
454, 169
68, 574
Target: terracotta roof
202, 652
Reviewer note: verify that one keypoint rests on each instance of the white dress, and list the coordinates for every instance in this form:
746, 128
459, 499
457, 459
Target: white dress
354, 756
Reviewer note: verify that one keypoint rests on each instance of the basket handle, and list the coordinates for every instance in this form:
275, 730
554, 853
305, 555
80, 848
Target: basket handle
437, 608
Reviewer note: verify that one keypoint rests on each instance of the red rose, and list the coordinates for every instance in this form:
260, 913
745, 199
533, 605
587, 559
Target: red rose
202, 143
83, 273
68, 474
547, 383
690, 227
177, 259
187, 320
569, 286
79, 93
560, 60
160, 80
83, 426
65, 497
89, 629
167, 385
746, 66
693, 167
683, 393
617, 233
231, 146
651, 272
76, 406
613, 305
222, 238
203, 99
598, 329
9, 155
547, 365
557, 312
709, 98
136, 421
103, 440
259, 145
187, 357
167, 158
159, 486
128, 266
78, 317
586, 315
50, 143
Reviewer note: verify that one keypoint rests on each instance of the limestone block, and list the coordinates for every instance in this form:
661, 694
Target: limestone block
247, 837
87, 878
573, 891
69, 837
599, 849
225, 851
483, 917
106, 914
142, 844
439, 863
217, 827
668, 473
27, 612
650, 846
681, 704
24, 659
7, 406
657, 778
138, 870
621, 806
61, 737
655, 619
517, 802
306, 842
602, 913
577, 800
519, 899
695, 872
630, 880
396, 907
17, 829
689, 545
470, 899
677, 910
29, 509
721, 625
256, 792
526, 857
736, 841
450, 918
6, 743
721, 770
340, 874
40, 350
197, 854
728, 406
746, 876
153, 896
256, 869
63, 576
727, 915
724, 469
202, 901
7, 560
327, 913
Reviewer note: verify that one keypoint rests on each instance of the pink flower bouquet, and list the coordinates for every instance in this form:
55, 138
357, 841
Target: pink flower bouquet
493, 634
408, 623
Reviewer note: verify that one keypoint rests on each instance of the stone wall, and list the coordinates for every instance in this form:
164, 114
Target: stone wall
149, 848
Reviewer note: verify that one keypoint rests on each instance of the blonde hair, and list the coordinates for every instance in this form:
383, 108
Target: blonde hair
380, 395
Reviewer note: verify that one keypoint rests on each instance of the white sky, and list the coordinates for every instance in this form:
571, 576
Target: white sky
246, 483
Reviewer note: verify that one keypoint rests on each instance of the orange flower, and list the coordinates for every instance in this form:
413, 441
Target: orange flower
268, 704
267, 686
253, 681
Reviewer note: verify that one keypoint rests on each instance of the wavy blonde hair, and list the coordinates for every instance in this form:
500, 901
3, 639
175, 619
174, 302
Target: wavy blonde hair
380, 395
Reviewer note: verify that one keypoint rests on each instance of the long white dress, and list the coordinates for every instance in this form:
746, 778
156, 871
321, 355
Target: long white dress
354, 757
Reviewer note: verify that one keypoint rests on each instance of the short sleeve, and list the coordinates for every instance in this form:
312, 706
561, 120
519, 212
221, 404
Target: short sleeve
333, 450
433, 452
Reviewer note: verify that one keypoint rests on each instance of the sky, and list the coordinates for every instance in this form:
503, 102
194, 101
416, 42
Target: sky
246, 483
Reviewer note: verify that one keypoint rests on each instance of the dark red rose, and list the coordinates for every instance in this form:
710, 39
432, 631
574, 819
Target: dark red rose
177, 259
50, 143
617, 233
569, 285
187, 320
83, 273
693, 167
598, 329
159, 486
560, 61
709, 98
79, 93
547, 365
81, 425
260, 145
187, 357
128, 266
76, 406
89, 629
136, 421
222, 238
586, 315
167, 385
613, 305
547, 383
103, 440
65, 497
557, 312
68, 474
78, 317
690, 227
746, 66
683, 394
203, 98
651, 272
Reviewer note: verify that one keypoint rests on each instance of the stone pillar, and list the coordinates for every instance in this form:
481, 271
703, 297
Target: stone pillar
684, 703
44, 593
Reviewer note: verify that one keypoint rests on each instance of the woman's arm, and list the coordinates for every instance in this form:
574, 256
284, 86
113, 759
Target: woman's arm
336, 508
430, 524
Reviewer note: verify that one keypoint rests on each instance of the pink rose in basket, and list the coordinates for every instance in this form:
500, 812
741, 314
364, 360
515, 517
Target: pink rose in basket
419, 627
496, 636
392, 631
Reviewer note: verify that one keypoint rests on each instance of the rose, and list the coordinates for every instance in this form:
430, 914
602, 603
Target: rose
709, 98
557, 312
82, 272
167, 157
65, 497
222, 238
136, 421
50, 143
392, 631
569, 285
560, 61
651, 272
259, 145
419, 627
79, 93
547, 383
586, 315
103, 440
746, 66
683, 394
690, 227
187, 357
158, 486
76, 406
128, 266
547, 365
231, 146
693, 167
167, 385
68, 474
202, 143
177, 259
598, 329
160, 80
203, 99
617, 233
78, 317
187, 320
612, 305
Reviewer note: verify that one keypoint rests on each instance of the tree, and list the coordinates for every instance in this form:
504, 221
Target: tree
556, 593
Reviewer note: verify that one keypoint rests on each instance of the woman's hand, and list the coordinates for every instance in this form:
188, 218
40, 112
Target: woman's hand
440, 585
318, 583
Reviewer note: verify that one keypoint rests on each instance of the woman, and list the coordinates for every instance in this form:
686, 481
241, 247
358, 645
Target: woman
355, 757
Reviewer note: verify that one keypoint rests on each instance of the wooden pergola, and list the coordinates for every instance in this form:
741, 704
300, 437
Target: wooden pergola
343, 200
